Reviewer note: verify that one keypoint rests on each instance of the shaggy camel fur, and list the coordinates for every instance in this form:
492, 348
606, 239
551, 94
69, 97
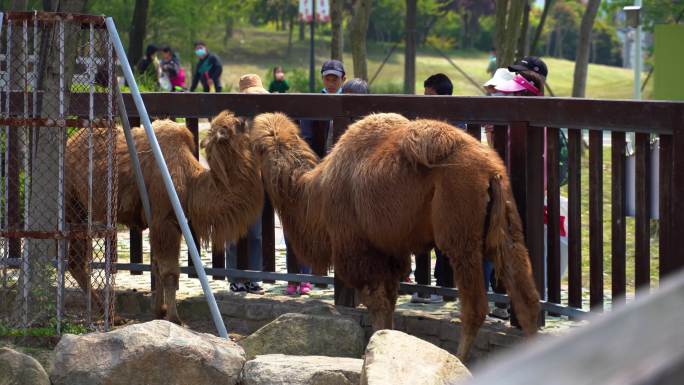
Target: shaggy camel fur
220, 203
391, 187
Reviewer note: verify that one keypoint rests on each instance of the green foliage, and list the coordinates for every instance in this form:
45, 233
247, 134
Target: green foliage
45, 331
653, 11
299, 80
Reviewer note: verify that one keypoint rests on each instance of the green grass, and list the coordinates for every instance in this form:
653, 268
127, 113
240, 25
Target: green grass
607, 223
258, 50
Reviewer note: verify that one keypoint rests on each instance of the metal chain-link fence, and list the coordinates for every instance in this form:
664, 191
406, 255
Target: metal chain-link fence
58, 162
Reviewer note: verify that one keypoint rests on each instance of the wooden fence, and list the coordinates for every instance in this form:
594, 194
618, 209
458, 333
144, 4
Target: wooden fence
519, 138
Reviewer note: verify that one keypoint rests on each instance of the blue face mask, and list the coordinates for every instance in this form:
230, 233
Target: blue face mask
200, 52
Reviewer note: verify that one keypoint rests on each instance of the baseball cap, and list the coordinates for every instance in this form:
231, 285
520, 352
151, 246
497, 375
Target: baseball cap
530, 63
333, 67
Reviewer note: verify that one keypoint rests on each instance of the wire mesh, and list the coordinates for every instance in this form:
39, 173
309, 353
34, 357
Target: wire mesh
59, 185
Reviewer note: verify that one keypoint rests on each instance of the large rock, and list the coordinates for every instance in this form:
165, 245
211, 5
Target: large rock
156, 352
307, 335
19, 369
278, 369
393, 357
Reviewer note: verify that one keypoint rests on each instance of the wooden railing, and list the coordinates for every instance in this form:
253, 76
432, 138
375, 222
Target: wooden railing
519, 138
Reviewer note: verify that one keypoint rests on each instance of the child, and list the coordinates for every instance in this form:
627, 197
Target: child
279, 84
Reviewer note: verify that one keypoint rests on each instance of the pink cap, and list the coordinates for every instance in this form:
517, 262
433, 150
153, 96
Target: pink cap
517, 84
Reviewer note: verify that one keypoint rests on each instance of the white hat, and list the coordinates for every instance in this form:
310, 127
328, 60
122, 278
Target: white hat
501, 76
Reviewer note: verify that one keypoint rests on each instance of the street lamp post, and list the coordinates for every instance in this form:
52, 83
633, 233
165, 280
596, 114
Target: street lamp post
633, 16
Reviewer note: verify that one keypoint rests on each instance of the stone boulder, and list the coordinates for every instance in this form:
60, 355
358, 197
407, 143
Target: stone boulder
278, 369
19, 369
307, 335
151, 353
393, 357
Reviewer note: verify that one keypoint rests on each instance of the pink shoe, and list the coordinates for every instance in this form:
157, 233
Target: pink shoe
291, 289
305, 288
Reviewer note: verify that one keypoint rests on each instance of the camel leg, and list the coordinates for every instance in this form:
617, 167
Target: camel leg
165, 243
158, 306
80, 255
380, 301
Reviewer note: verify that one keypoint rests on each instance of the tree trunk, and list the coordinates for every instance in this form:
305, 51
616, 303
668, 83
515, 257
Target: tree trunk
44, 203
228, 32
136, 37
465, 36
336, 42
410, 48
289, 36
540, 28
359, 28
301, 30
579, 84
522, 40
508, 22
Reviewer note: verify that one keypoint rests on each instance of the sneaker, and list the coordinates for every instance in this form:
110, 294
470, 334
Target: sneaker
238, 287
418, 298
305, 288
254, 288
500, 313
291, 289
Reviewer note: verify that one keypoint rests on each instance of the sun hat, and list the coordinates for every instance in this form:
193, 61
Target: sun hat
251, 84
530, 63
501, 76
333, 67
517, 84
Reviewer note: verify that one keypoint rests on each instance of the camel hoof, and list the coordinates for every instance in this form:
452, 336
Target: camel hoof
118, 321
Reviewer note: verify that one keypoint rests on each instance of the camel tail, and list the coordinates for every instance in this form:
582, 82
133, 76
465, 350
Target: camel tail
505, 246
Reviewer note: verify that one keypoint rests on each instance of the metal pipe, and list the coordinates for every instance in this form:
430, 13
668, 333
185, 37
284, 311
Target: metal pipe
168, 183
111, 142
26, 266
91, 115
5, 248
61, 248
132, 151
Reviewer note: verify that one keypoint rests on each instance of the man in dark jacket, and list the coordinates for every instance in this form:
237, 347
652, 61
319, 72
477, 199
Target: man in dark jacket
208, 70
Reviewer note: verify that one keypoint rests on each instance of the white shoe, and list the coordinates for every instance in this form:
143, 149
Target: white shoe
436, 298
500, 313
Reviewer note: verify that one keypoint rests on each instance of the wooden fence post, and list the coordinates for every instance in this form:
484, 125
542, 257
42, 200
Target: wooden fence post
676, 260
596, 220
527, 179
193, 125
268, 237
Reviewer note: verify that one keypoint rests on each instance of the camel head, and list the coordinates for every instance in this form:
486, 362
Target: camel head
224, 127
228, 148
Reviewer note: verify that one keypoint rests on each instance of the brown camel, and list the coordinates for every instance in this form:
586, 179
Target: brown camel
220, 203
391, 187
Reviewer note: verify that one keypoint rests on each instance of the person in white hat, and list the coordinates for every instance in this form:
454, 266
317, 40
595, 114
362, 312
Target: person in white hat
501, 76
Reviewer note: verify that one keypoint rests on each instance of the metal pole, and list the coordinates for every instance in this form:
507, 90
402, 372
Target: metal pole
132, 151
173, 197
637, 55
312, 54
110, 245
5, 248
62, 140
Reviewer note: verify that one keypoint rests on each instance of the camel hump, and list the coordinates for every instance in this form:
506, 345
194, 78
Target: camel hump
172, 135
429, 142
273, 130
